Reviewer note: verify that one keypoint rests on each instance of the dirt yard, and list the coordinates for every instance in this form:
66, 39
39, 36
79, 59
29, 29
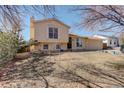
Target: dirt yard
66, 69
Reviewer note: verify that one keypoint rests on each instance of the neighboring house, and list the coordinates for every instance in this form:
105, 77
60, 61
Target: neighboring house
84, 43
108, 41
51, 33
121, 38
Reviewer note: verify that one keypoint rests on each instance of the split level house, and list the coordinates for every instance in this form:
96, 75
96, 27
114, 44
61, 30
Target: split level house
53, 34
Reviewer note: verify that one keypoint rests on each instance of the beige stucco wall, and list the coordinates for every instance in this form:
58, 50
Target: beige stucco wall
87, 43
74, 45
35, 47
93, 44
51, 46
42, 35
39, 31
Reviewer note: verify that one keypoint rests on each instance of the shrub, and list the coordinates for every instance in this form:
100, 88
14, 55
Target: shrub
24, 46
8, 46
23, 49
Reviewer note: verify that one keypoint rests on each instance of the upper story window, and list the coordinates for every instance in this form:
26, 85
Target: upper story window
79, 42
53, 33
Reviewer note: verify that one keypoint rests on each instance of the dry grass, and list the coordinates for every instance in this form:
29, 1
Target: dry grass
91, 69
72, 69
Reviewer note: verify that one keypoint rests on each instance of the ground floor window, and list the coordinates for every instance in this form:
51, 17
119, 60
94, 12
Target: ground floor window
110, 42
58, 47
79, 42
45, 46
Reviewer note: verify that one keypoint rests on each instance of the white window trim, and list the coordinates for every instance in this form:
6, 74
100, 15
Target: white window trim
52, 26
44, 45
80, 42
59, 46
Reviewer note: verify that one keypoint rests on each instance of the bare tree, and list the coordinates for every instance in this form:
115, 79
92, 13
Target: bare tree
12, 16
102, 17
12, 19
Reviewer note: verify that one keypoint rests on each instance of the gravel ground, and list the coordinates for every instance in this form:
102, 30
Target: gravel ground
66, 69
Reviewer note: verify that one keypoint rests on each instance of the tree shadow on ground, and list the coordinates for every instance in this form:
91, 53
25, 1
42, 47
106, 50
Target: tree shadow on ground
117, 65
101, 77
34, 68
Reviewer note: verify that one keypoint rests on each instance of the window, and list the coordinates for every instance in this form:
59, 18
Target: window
50, 32
79, 42
110, 42
58, 47
53, 33
114, 43
45, 47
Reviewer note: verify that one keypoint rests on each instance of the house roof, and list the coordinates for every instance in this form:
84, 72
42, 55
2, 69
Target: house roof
107, 36
74, 35
53, 19
95, 38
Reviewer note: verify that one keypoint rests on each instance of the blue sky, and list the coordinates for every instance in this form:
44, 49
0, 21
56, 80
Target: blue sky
68, 17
